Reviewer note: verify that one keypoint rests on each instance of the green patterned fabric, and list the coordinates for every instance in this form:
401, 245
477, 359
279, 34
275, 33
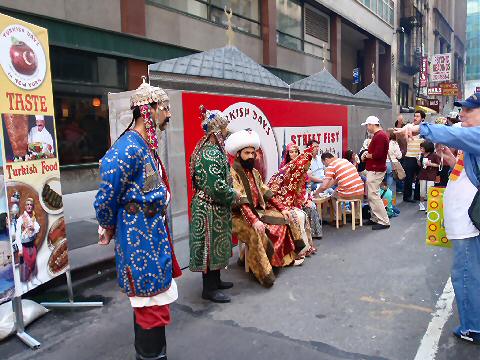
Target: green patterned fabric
211, 224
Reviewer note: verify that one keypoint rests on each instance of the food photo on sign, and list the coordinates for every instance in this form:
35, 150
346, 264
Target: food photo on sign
28, 137
37, 230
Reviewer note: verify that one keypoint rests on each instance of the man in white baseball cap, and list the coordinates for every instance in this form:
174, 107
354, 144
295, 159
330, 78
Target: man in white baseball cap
376, 159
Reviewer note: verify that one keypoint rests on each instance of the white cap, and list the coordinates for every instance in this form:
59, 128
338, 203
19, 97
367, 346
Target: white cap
40, 117
240, 140
371, 120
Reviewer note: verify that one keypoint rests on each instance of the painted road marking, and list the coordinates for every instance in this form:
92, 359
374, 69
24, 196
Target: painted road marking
372, 300
443, 310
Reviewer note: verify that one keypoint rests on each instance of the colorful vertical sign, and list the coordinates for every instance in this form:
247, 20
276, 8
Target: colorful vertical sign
30, 156
424, 72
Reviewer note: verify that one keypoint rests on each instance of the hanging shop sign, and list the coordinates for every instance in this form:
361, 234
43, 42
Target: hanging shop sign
434, 90
441, 67
30, 166
424, 72
449, 89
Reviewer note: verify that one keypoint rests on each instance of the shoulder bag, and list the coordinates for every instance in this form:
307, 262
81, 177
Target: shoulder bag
397, 169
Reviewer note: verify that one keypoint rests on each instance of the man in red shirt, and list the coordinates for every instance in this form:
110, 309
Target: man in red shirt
376, 159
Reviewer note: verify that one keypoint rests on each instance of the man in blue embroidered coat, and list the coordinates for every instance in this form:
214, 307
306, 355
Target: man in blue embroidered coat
131, 206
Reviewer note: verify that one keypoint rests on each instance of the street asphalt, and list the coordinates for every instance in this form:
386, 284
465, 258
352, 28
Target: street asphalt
365, 295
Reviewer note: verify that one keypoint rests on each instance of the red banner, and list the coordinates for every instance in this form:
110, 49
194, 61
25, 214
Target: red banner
278, 122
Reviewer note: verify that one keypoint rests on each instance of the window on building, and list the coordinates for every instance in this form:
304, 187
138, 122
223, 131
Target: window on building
246, 13
81, 82
303, 28
384, 9
289, 24
402, 95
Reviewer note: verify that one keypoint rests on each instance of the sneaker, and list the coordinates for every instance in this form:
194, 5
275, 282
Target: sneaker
473, 337
421, 206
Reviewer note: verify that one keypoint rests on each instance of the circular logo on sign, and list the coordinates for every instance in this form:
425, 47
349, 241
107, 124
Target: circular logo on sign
22, 57
243, 115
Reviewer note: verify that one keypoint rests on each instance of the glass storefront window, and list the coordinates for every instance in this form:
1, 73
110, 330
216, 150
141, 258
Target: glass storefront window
82, 128
81, 82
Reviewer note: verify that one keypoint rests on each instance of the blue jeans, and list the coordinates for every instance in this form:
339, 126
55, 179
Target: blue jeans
466, 282
390, 180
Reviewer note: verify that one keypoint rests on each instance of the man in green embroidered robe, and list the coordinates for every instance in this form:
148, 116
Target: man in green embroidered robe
211, 223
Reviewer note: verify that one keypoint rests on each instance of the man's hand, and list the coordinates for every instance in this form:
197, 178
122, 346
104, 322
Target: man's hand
286, 215
259, 227
105, 236
368, 156
409, 131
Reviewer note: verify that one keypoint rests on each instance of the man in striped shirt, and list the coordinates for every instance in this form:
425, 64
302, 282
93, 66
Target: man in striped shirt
342, 173
410, 162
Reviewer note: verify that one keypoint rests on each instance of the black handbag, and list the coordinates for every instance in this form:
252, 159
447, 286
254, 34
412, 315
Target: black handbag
474, 209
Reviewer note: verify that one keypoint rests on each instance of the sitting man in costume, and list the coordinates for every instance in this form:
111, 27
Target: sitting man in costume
211, 224
260, 229
131, 206
288, 185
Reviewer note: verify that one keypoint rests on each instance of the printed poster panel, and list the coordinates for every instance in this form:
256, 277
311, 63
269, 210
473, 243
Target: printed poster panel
329, 137
31, 169
276, 121
441, 67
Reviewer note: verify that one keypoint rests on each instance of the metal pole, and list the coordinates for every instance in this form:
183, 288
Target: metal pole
71, 302
20, 326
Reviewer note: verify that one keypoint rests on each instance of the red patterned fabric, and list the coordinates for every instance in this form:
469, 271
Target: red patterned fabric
151, 317
288, 184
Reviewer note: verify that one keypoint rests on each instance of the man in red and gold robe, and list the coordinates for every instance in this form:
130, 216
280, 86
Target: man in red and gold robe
265, 232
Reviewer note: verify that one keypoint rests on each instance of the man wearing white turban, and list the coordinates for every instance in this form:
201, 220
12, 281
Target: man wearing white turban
260, 229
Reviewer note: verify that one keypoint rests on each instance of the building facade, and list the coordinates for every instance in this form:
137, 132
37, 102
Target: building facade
425, 28
473, 46
105, 46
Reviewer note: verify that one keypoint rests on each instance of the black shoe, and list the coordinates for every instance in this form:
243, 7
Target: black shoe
369, 222
380, 227
216, 296
221, 285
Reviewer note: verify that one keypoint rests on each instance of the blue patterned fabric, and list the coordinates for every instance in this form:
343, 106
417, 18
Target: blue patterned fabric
142, 250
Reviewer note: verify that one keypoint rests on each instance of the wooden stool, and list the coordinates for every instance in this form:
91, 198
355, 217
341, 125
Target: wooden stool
344, 211
245, 254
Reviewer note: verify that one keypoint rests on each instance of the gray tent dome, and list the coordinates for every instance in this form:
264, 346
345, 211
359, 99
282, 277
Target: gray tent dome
373, 92
322, 82
226, 63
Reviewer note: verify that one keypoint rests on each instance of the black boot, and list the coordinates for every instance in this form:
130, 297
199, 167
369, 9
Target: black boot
150, 344
210, 289
222, 285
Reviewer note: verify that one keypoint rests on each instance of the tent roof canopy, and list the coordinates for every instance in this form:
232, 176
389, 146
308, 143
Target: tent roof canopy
227, 63
373, 92
322, 82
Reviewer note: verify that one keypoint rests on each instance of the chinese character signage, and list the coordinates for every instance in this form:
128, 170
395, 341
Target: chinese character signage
441, 67
32, 197
356, 76
424, 72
